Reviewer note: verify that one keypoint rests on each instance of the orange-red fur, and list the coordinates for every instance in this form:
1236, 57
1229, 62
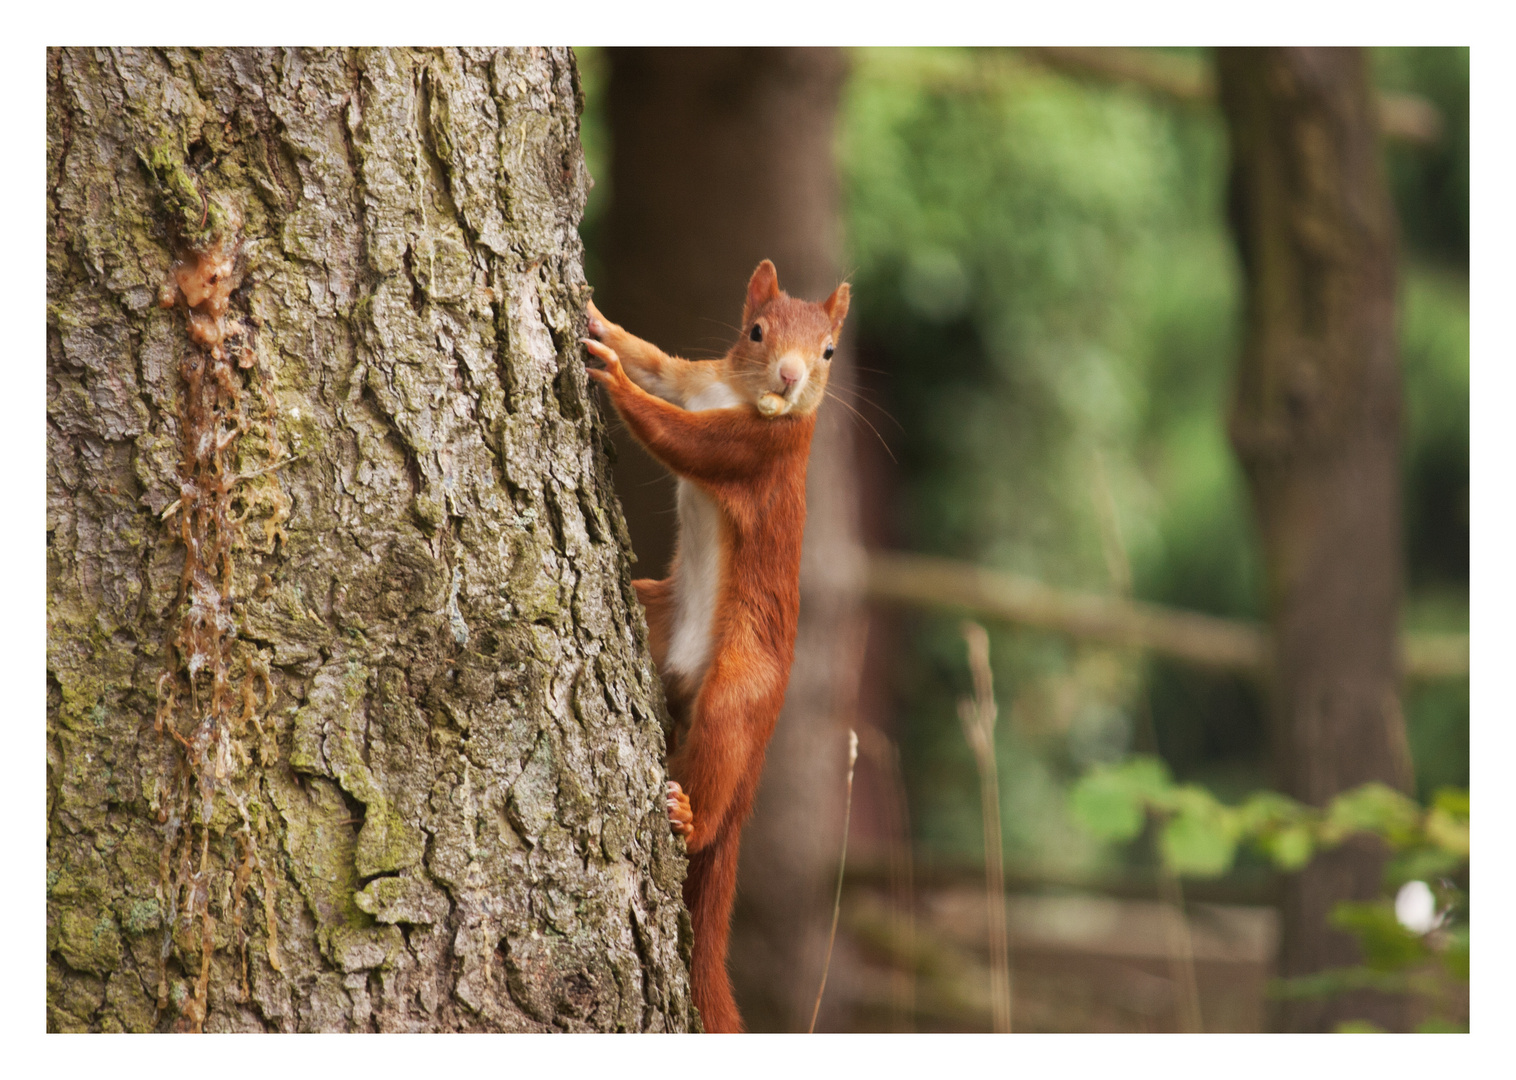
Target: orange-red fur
751, 465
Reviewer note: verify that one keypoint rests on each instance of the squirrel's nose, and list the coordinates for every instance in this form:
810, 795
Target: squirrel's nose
791, 370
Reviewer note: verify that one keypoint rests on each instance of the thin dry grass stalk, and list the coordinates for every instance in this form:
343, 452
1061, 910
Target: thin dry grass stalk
881, 750
1181, 951
847, 818
1176, 926
978, 715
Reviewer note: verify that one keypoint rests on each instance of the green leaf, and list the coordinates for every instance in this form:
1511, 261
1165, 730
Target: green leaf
1290, 848
1448, 832
1454, 801
1111, 801
1455, 957
1420, 864
1373, 808
1146, 776
1107, 807
1269, 810
1199, 841
1386, 945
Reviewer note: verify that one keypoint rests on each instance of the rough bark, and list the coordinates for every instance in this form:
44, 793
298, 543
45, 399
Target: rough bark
721, 158
350, 546
1316, 425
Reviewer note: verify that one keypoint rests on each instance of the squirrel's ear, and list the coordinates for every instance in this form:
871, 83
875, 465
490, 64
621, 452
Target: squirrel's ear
835, 305
762, 287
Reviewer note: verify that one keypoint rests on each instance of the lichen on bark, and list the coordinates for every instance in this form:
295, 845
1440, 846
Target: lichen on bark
457, 763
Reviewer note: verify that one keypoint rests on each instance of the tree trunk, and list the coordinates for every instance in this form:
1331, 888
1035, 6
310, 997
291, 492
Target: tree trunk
722, 158
1316, 424
351, 721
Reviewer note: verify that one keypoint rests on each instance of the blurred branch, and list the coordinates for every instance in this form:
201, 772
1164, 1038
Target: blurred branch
1435, 656
1226, 644
1247, 886
1185, 79
1190, 81
923, 581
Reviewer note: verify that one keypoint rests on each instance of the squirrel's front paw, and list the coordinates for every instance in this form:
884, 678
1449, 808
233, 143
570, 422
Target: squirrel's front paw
597, 324
611, 369
681, 817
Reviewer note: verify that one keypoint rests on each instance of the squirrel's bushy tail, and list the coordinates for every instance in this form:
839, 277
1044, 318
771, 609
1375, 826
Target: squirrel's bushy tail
709, 889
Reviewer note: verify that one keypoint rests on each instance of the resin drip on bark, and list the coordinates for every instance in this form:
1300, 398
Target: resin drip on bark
207, 697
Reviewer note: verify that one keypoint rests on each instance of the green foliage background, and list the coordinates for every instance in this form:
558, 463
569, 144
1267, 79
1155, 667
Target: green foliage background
1048, 308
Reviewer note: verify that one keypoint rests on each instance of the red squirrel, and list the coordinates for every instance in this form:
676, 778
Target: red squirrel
737, 434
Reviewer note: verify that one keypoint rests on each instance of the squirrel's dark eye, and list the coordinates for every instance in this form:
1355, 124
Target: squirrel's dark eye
827, 355
757, 333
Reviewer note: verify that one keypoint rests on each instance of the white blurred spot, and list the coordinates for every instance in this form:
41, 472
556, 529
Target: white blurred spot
1416, 907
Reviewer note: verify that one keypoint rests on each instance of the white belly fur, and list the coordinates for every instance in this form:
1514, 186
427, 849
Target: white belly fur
697, 582
718, 395
697, 571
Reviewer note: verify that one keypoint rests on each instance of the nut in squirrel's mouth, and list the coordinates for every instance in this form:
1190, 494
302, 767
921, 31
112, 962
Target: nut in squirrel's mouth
777, 402
773, 404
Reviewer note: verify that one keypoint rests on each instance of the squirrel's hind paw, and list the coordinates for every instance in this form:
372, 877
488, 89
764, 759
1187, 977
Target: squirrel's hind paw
681, 817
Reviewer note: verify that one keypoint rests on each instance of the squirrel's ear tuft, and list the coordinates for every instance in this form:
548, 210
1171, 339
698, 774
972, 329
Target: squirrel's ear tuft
835, 305
762, 287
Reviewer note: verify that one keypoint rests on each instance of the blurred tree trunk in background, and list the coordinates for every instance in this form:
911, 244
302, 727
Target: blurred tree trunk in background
408, 772
1316, 424
721, 158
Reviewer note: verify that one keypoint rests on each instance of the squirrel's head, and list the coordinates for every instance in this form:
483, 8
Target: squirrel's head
784, 355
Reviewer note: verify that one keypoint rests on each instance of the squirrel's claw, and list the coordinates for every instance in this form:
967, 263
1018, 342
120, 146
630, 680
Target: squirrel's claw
681, 817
